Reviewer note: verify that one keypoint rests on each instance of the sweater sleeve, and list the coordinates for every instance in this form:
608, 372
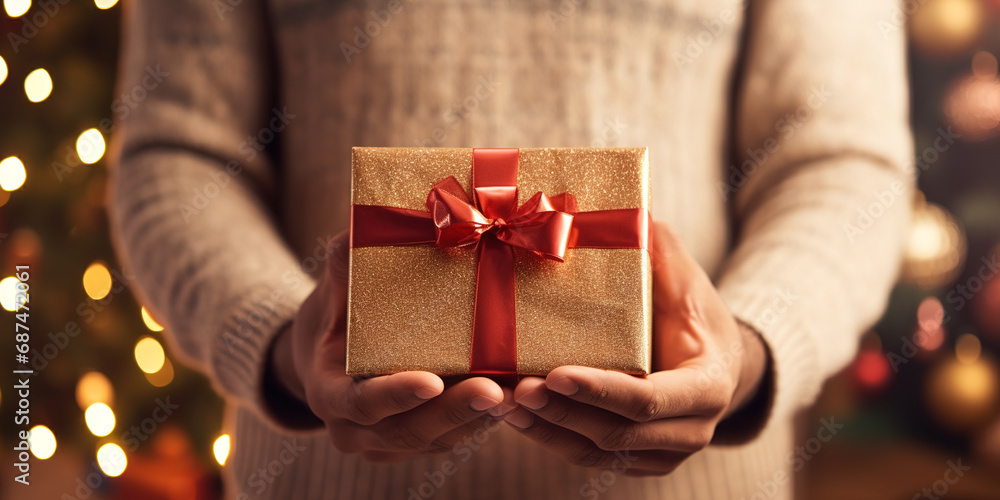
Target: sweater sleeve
191, 187
822, 186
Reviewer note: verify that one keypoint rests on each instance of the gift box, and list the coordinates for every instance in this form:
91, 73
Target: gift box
499, 261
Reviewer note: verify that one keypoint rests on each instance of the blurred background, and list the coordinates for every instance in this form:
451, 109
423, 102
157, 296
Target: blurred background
113, 416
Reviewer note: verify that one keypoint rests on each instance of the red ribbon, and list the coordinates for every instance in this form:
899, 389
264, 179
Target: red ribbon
493, 222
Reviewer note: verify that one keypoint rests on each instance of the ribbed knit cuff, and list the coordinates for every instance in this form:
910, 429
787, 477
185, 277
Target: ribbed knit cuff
240, 352
794, 354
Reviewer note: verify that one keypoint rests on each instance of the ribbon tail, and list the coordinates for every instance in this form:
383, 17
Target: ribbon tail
494, 337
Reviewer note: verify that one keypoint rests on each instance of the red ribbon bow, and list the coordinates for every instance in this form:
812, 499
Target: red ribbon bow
495, 225
541, 224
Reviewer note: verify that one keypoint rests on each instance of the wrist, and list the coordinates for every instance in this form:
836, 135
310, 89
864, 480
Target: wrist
753, 366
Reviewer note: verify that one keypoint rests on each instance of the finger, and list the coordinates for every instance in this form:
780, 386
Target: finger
610, 431
670, 393
456, 406
368, 401
470, 436
578, 450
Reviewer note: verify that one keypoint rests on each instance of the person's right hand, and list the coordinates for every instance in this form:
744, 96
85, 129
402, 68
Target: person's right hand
385, 418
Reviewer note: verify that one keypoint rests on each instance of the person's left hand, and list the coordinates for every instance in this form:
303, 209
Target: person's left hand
706, 366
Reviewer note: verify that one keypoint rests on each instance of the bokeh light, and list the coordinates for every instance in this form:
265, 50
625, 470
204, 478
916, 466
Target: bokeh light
8, 293
968, 348
16, 8
3, 71
963, 396
163, 376
100, 419
42, 442
105, 4
112, 460
149, 321
871, 369
97, 281
943, 28
149, 355
972, 106
221, 449
984, 64
12, 173
92, 388
930, 330
38, 85
935, 248
90, 146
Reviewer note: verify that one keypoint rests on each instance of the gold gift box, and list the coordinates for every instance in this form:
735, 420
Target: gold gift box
411, 307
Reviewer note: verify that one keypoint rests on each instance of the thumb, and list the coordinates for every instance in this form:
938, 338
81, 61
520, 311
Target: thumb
675, 272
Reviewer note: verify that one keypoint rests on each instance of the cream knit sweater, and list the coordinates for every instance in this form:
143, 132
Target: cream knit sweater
769, 126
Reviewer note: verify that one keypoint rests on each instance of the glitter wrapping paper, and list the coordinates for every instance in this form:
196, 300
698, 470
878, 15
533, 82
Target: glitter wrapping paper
411, 307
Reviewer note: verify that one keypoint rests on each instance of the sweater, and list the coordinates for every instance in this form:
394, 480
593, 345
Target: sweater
775, 129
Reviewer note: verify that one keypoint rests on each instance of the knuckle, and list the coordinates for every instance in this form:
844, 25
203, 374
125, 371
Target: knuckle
589, 457
600, 397
402, 436
455, 416
559, 415
619, 437
650, 407
359, 410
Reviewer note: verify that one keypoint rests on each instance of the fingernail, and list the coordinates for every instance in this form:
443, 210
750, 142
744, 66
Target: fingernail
563, 385
480, 403
425, 392
520, 419
534, 400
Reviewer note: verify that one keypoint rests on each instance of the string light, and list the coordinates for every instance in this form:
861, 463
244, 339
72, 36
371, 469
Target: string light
38, 85
100, 419
221, 449
149, 321
105, 4
90, 146
3, 71
16, 8
8, 293
41, 442
149, 355
12, 174
92, 388
112, 460
97, 281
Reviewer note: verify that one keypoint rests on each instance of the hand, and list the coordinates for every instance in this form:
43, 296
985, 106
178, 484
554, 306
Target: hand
648, 426
383, 418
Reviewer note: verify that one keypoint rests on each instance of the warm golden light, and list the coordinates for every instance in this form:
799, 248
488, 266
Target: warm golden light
90, 146
38, 85
945, 28
16, 8
97, 281
100, 419
105, 4
42, 442
8, 293
163, 376
935, 249
149, 321
3, 70
92, 388
149, 355
968, 348
111, 459
221, 449
12, 173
